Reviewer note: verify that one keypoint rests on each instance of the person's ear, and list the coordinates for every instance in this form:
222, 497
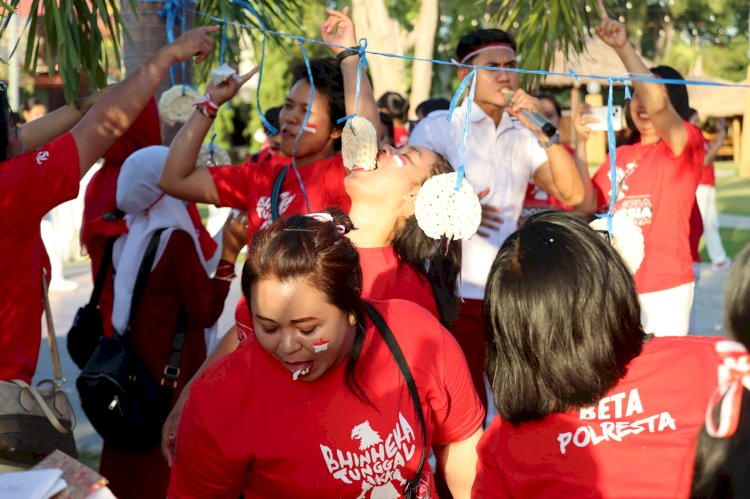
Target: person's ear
462, 72
336, 133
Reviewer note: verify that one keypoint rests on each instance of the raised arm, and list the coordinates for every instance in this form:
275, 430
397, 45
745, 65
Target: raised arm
583, 131
113, 114
653, 98
339, 29
181, 178
713, 148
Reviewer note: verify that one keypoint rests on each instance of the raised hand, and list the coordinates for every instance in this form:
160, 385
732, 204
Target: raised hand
194, 43
338, 29
581, 122
227, 89
613, 33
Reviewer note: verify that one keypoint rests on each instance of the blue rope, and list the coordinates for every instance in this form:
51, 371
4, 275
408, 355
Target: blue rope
612, 159
304, 123
362, 64
470, 78
171, 13
272, 129
617, 79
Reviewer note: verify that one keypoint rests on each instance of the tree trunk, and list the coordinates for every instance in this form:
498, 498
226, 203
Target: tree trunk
147, 34
383, 35
421, 73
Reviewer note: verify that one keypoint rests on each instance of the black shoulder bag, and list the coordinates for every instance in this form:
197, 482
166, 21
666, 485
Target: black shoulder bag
410, 492
121, 398
84, 334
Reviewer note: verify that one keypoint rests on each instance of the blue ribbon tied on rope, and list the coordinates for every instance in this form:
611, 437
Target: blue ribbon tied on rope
470, 78
271, 129
360, 67
173, 12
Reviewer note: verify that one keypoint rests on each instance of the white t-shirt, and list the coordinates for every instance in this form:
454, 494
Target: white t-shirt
502, 158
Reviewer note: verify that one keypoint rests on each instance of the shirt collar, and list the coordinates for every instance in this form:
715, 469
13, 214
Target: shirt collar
478, 114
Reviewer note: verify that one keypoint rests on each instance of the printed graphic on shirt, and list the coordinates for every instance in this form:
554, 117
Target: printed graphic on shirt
637, 208
41, 157
263, 207
617, 406
376, 463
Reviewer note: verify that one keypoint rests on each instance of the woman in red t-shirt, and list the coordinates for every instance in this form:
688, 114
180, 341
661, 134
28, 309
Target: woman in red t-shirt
316, 405
655, 187
589, 405
47, 174
317, 181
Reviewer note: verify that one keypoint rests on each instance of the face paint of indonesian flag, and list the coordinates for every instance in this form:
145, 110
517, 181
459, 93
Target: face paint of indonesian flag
310, 128
399, 160
320, 345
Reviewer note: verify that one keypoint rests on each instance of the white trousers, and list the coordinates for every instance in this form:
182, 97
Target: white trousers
667, 312
706, 197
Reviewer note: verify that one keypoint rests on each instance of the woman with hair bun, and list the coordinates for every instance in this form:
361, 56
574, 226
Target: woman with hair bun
317, 405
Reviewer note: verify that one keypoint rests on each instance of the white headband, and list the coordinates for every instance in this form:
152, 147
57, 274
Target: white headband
486, 48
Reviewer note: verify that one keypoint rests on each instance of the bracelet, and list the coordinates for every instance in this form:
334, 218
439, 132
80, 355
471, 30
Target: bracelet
552, 141
207, 107
346, 53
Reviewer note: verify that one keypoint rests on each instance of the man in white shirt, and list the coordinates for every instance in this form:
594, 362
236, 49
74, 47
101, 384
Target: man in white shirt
503, 152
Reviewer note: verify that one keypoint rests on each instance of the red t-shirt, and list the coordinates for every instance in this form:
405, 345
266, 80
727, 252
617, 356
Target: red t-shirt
708, 175
384, 277
248, 427
657, 193
248, 187
638, 441
32, 184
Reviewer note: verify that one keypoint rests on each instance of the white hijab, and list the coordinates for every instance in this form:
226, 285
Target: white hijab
147, 209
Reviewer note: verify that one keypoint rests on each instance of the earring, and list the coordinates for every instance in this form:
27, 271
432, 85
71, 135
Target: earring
352, 319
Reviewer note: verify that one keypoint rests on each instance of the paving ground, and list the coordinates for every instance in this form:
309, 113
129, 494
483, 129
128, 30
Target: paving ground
705, 320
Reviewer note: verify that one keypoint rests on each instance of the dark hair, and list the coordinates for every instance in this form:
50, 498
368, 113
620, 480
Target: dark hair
552, 100
4, 122
396, 105
563, 318
328, 80
272, 116
722, 464
692, 111
387, 122
304, 247
737, 298
480, 38
32, 102
434, 104
440, 265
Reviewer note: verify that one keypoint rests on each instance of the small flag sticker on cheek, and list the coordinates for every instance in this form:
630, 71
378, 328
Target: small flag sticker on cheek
310, 128
399, 160
320, 345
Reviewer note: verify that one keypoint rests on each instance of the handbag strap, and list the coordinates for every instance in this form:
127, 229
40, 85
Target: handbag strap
43, 405
398, 355
276, 192
51, 338
102, 271
144, 271
172, 369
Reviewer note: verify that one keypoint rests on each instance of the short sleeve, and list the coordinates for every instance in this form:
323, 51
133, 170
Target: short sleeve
490, 480
462, 412
37, 181
233, 184
433, 132
200, 467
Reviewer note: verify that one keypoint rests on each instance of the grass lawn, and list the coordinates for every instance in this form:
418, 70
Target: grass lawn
733, 195
734, 241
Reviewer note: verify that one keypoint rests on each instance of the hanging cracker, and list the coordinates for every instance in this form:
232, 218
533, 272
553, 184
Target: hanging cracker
359, 146
441, 210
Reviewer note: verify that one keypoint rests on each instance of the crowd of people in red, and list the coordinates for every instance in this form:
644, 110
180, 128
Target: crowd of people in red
365, 355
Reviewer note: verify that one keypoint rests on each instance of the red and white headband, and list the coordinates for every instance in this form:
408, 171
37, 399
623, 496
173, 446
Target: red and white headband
322, 216
485, 48
734, 377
